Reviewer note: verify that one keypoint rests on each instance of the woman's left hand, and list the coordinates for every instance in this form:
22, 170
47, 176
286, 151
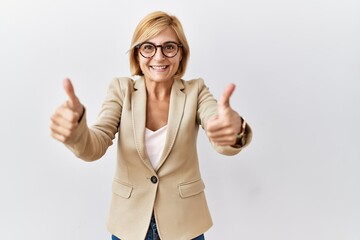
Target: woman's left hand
223, 128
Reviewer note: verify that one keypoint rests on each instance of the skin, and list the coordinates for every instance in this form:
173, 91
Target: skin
223, 128
64, 121
159, 74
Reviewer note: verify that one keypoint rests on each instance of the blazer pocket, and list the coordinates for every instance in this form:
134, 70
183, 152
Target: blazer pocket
192, 188
122, 189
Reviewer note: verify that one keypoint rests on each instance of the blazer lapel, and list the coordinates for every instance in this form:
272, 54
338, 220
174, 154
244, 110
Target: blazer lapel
138, 103
176, 111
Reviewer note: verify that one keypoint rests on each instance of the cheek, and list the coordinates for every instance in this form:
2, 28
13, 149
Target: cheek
178, 63
142, 66
142, 62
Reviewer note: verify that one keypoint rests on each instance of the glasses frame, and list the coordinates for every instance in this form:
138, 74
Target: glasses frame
159, 46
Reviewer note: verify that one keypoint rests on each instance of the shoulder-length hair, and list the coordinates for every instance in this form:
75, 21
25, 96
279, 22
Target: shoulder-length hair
150, 26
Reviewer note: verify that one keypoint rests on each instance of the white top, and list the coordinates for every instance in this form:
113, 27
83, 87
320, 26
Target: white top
154, 144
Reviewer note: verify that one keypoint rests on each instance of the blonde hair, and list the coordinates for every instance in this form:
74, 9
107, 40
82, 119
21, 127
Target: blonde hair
150, 26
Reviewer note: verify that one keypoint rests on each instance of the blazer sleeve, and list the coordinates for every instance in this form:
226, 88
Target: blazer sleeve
207, 107
91, 143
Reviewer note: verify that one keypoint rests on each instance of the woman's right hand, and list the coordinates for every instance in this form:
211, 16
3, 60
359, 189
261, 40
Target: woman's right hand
65, 120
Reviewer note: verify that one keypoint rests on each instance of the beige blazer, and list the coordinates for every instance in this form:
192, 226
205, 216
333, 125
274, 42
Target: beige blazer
174, 191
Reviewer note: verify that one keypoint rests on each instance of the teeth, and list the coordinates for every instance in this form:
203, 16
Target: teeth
159, 67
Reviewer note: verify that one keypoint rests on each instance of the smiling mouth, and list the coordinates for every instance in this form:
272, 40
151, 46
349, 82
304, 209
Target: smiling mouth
159, 67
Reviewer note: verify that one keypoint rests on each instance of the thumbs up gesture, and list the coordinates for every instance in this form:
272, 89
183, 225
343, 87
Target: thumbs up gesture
223, 128
66, 117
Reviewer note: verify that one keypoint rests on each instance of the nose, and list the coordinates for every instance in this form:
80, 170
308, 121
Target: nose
158, 53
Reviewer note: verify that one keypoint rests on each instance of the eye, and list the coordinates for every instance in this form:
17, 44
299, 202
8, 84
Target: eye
169, 47
147, 47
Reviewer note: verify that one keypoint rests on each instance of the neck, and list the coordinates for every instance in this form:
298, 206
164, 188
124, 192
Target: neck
158, 90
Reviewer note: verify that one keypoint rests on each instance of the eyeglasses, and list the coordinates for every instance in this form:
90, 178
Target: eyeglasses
168, 49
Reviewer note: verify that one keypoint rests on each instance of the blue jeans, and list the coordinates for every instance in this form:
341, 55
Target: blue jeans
152, 233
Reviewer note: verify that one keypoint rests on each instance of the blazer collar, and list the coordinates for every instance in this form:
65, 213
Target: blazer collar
138, 107
176, 110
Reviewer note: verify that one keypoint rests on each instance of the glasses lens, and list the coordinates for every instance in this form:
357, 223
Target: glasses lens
170, 49
147, 49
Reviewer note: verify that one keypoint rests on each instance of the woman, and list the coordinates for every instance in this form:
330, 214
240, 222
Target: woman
157, 189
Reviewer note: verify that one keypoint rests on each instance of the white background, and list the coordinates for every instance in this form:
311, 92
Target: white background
296, 65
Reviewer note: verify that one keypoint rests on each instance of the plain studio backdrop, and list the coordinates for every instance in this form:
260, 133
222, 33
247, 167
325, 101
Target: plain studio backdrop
296, 65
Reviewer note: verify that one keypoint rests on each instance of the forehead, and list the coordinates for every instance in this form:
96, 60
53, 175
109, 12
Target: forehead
165, 35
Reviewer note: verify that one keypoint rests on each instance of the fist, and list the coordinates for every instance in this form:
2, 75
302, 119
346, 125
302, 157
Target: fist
223, 128
65, 120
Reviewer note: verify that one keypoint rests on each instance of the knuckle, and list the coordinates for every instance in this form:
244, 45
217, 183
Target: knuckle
66, 138
72, 117
233, 132
73, 127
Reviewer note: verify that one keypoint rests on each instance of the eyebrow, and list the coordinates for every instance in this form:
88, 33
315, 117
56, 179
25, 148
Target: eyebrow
162, 43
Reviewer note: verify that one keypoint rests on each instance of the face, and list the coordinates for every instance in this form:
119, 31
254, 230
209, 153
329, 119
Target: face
160, 68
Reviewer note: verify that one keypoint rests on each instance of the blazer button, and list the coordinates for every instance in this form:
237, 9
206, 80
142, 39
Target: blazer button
154, 179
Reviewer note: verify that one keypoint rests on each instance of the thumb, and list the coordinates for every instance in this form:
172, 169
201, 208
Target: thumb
69, 89
225, 98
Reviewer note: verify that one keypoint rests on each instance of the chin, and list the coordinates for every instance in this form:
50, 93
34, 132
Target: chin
159, 78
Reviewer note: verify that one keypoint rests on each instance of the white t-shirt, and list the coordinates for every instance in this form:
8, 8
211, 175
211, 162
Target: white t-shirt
154, 144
